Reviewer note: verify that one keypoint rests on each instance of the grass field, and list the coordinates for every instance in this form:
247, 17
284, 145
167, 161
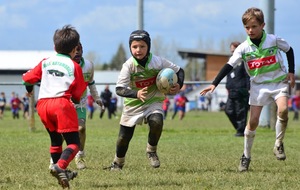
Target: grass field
199, 152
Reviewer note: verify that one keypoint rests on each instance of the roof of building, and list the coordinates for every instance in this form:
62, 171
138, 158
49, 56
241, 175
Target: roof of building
195, 53
22, 60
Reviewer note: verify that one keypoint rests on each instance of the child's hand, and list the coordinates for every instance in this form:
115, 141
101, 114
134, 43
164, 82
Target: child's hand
29, 94
142, 94
291, 78
211, 88
175, 89
99, 102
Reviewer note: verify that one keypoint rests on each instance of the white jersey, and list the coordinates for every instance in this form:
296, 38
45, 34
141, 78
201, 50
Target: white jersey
264, 64
59, 77
88, 75
136, 77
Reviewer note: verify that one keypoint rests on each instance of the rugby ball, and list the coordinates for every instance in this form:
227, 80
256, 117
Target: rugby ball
165, 80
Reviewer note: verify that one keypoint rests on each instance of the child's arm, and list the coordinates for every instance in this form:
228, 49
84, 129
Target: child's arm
126, 92
176, 88
224, 71
291, 64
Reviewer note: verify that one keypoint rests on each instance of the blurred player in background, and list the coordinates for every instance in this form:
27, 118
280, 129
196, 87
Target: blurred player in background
181, 105
106, 96
165, 106
2, 104
90, 106
15, 104
296, 105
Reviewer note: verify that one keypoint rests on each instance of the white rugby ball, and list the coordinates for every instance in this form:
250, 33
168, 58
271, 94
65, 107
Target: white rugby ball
165, 80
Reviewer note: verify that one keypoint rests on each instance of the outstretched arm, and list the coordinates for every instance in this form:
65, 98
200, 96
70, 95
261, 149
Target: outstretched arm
224, 71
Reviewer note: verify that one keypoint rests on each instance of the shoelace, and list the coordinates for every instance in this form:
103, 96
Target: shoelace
113, 165
153, 155
244, 161
280, 149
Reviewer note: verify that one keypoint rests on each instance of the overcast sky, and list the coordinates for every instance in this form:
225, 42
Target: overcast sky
104, 24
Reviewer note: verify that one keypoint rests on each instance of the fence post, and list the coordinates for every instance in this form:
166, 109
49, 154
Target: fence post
31, 112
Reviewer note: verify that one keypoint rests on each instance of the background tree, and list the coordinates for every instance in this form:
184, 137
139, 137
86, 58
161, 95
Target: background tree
194, 70
168, 51
118, 59
92, 56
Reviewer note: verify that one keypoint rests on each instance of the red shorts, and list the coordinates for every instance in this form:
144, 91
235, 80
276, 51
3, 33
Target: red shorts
58, 114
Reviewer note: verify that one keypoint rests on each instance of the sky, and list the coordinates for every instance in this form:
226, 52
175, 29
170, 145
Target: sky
105, 24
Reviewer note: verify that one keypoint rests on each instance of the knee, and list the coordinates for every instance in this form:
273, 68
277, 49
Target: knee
253, 123
123, 140
82, 129
125, 135
155, 120
283, 114
81, 123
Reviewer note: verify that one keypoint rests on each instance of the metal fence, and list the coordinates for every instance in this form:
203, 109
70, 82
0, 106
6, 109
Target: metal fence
192, 94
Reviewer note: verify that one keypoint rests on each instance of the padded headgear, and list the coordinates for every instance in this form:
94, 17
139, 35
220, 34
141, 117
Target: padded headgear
141, 35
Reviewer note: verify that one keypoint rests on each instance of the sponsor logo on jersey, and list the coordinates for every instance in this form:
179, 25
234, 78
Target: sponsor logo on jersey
258, 63
145, 83
55, 73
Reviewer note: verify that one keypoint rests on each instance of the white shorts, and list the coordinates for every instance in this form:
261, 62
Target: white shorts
136, 115
264, 94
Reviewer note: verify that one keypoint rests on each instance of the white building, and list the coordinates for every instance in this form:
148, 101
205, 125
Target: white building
14, 63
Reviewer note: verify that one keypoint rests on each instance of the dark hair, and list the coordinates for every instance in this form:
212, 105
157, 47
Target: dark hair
66, 39
235, 44
140, 35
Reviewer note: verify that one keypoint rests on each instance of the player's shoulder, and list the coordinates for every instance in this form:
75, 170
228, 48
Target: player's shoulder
88, 62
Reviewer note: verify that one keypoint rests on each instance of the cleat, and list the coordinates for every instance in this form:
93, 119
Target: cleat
71, 174
113, 167
279, 152
244, 164
60, 175
239, 135
80, 162
153, 158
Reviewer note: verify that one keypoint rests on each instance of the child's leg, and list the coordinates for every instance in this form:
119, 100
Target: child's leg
125, 135
155, 124
250, 130
282, 119
68, 154
248, 142
56, 146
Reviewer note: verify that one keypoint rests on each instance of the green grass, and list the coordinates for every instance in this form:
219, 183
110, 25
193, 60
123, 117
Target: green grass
199, 152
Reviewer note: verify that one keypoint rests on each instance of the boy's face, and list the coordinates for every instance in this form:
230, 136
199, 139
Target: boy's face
139, 49
254, 29
76, 54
